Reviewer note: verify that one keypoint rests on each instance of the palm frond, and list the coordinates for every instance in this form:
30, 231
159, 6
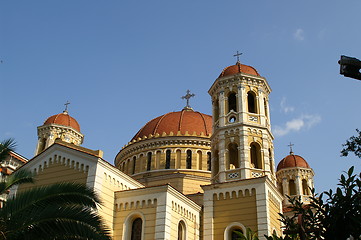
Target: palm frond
40, 197
59, 211
6, 146
18, 177
59, 222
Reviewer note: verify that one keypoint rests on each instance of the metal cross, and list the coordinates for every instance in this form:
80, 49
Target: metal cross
237, 55
187, 97
291, 145
66, 106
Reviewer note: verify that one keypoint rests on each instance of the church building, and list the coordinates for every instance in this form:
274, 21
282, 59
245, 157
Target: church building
185, 174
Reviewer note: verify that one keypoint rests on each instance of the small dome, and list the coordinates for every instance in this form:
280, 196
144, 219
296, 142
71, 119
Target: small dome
183, 121
292, 161
238, 68
63, 119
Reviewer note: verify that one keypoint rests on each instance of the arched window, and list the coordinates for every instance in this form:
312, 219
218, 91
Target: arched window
181, 230
233, 231
216, 110
149, 161
305, 189
232, 102
136, 229
292, 187
209, 161
189, 159
167, 159
233, 156
256, 157
134, 164
252, 104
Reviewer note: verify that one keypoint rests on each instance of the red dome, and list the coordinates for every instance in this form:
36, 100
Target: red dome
238, 68
185, 120
63, 119
292, 161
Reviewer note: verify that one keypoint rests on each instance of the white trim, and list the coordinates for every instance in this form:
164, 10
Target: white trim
127, 225
230, 227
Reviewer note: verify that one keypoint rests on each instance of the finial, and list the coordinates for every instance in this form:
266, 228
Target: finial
66, 107
187, 97
237, 55
291, 145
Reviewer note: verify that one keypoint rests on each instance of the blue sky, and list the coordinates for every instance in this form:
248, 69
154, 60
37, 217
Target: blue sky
123, 63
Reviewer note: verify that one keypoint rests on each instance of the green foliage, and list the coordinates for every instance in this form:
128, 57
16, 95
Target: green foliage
250, 235
19, 177
275, 237
353, 144
332, 215
6, 147
58, 211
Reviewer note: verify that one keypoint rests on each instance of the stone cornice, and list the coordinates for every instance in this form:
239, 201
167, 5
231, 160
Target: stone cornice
59, 128
240, 78
293, 171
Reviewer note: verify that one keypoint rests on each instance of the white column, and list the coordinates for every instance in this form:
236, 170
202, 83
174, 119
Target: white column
263, 218
285, 186
221, 109
222, 166
208, 215
298, 185
261, 107
163, 217
244, 155
242, 101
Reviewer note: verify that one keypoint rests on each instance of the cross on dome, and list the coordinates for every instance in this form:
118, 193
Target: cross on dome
66, 107
291, 145
237, 55
187, 97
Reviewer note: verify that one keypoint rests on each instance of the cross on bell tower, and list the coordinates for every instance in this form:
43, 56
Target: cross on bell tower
187, 97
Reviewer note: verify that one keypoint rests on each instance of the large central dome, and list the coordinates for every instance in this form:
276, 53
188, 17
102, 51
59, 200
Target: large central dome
182, 121
174, 149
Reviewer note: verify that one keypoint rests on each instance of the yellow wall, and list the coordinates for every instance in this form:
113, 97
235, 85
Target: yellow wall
190, 226
149, 213
228, 210
273, 209
55, 173
185, 181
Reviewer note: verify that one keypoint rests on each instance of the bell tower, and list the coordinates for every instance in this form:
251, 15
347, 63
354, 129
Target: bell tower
59, 127
295, 178
242, 142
